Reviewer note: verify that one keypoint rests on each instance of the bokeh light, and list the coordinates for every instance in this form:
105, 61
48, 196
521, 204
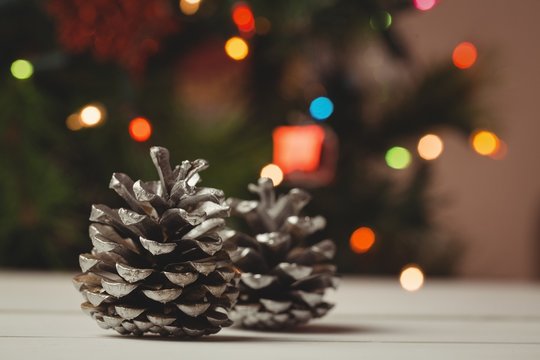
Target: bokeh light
73, 122
237, 48
464, 55
501, 151
273, 172
411, 278
485, 142
91, 115
424, 5
140, 129
262, 25
298, 148
22, 69
362, 239
430, 147
381, 22
190, 7
398, 158
321, 108
243, 18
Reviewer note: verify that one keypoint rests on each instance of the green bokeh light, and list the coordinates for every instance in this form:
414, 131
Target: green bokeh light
22, 69
398, 158
381, 21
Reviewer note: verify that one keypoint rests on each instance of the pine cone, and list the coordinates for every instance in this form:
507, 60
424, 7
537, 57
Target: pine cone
284, 279
159, 266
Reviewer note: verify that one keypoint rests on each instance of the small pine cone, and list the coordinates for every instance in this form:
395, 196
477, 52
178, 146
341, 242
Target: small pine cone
159, 266
284, 278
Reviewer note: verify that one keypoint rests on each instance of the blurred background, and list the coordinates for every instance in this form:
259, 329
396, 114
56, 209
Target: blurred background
413, 123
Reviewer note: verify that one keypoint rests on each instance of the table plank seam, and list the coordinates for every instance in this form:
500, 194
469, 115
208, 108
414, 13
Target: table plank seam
270, 339
398, 317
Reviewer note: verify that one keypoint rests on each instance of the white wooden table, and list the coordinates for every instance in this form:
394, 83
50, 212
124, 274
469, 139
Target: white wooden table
374, 319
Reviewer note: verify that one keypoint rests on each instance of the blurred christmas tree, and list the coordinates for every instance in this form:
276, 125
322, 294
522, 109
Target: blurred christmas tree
323, 88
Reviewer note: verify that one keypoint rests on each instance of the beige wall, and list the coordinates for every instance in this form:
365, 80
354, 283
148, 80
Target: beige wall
494, 205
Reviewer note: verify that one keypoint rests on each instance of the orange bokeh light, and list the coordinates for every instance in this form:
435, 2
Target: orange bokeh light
140, 129
362, 239
485, 142
500, 152
464, 55
190, 7
298, 148
262, 25
243, 18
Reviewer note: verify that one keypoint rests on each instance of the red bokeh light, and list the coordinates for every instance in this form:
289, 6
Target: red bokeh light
298, 148
243, 18
464, 55
140, 129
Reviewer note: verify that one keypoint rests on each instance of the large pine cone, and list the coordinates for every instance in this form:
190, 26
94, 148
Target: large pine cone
159, 267
284, 278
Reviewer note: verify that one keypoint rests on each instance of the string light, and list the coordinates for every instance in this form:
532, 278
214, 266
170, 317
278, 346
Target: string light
424, 5
411, 278
91, 115
190, 7
485, 142
398, 158
362, 239
430, 147
237, 48
22, 69
464, 55
321, 108
243, 18
381, 21
73, 122
273, 172
140, 129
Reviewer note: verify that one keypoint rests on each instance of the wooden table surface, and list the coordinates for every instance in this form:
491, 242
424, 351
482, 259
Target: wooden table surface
374, 319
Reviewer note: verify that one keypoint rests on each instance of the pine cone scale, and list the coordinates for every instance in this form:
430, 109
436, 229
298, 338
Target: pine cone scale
181, 279
131, 274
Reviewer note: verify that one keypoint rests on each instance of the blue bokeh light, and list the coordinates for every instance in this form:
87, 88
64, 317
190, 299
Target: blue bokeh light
321, 108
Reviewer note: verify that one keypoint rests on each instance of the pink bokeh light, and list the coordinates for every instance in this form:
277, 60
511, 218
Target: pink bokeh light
424, 5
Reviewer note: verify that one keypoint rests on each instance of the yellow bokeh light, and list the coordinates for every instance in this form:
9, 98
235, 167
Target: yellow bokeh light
485, 142
91, 115
237, 48
430, 147
22, 69
189, 7
73, 122
273, 172
411, 278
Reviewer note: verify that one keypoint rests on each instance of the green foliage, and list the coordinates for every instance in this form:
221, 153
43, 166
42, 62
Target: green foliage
38, 224
49, 176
